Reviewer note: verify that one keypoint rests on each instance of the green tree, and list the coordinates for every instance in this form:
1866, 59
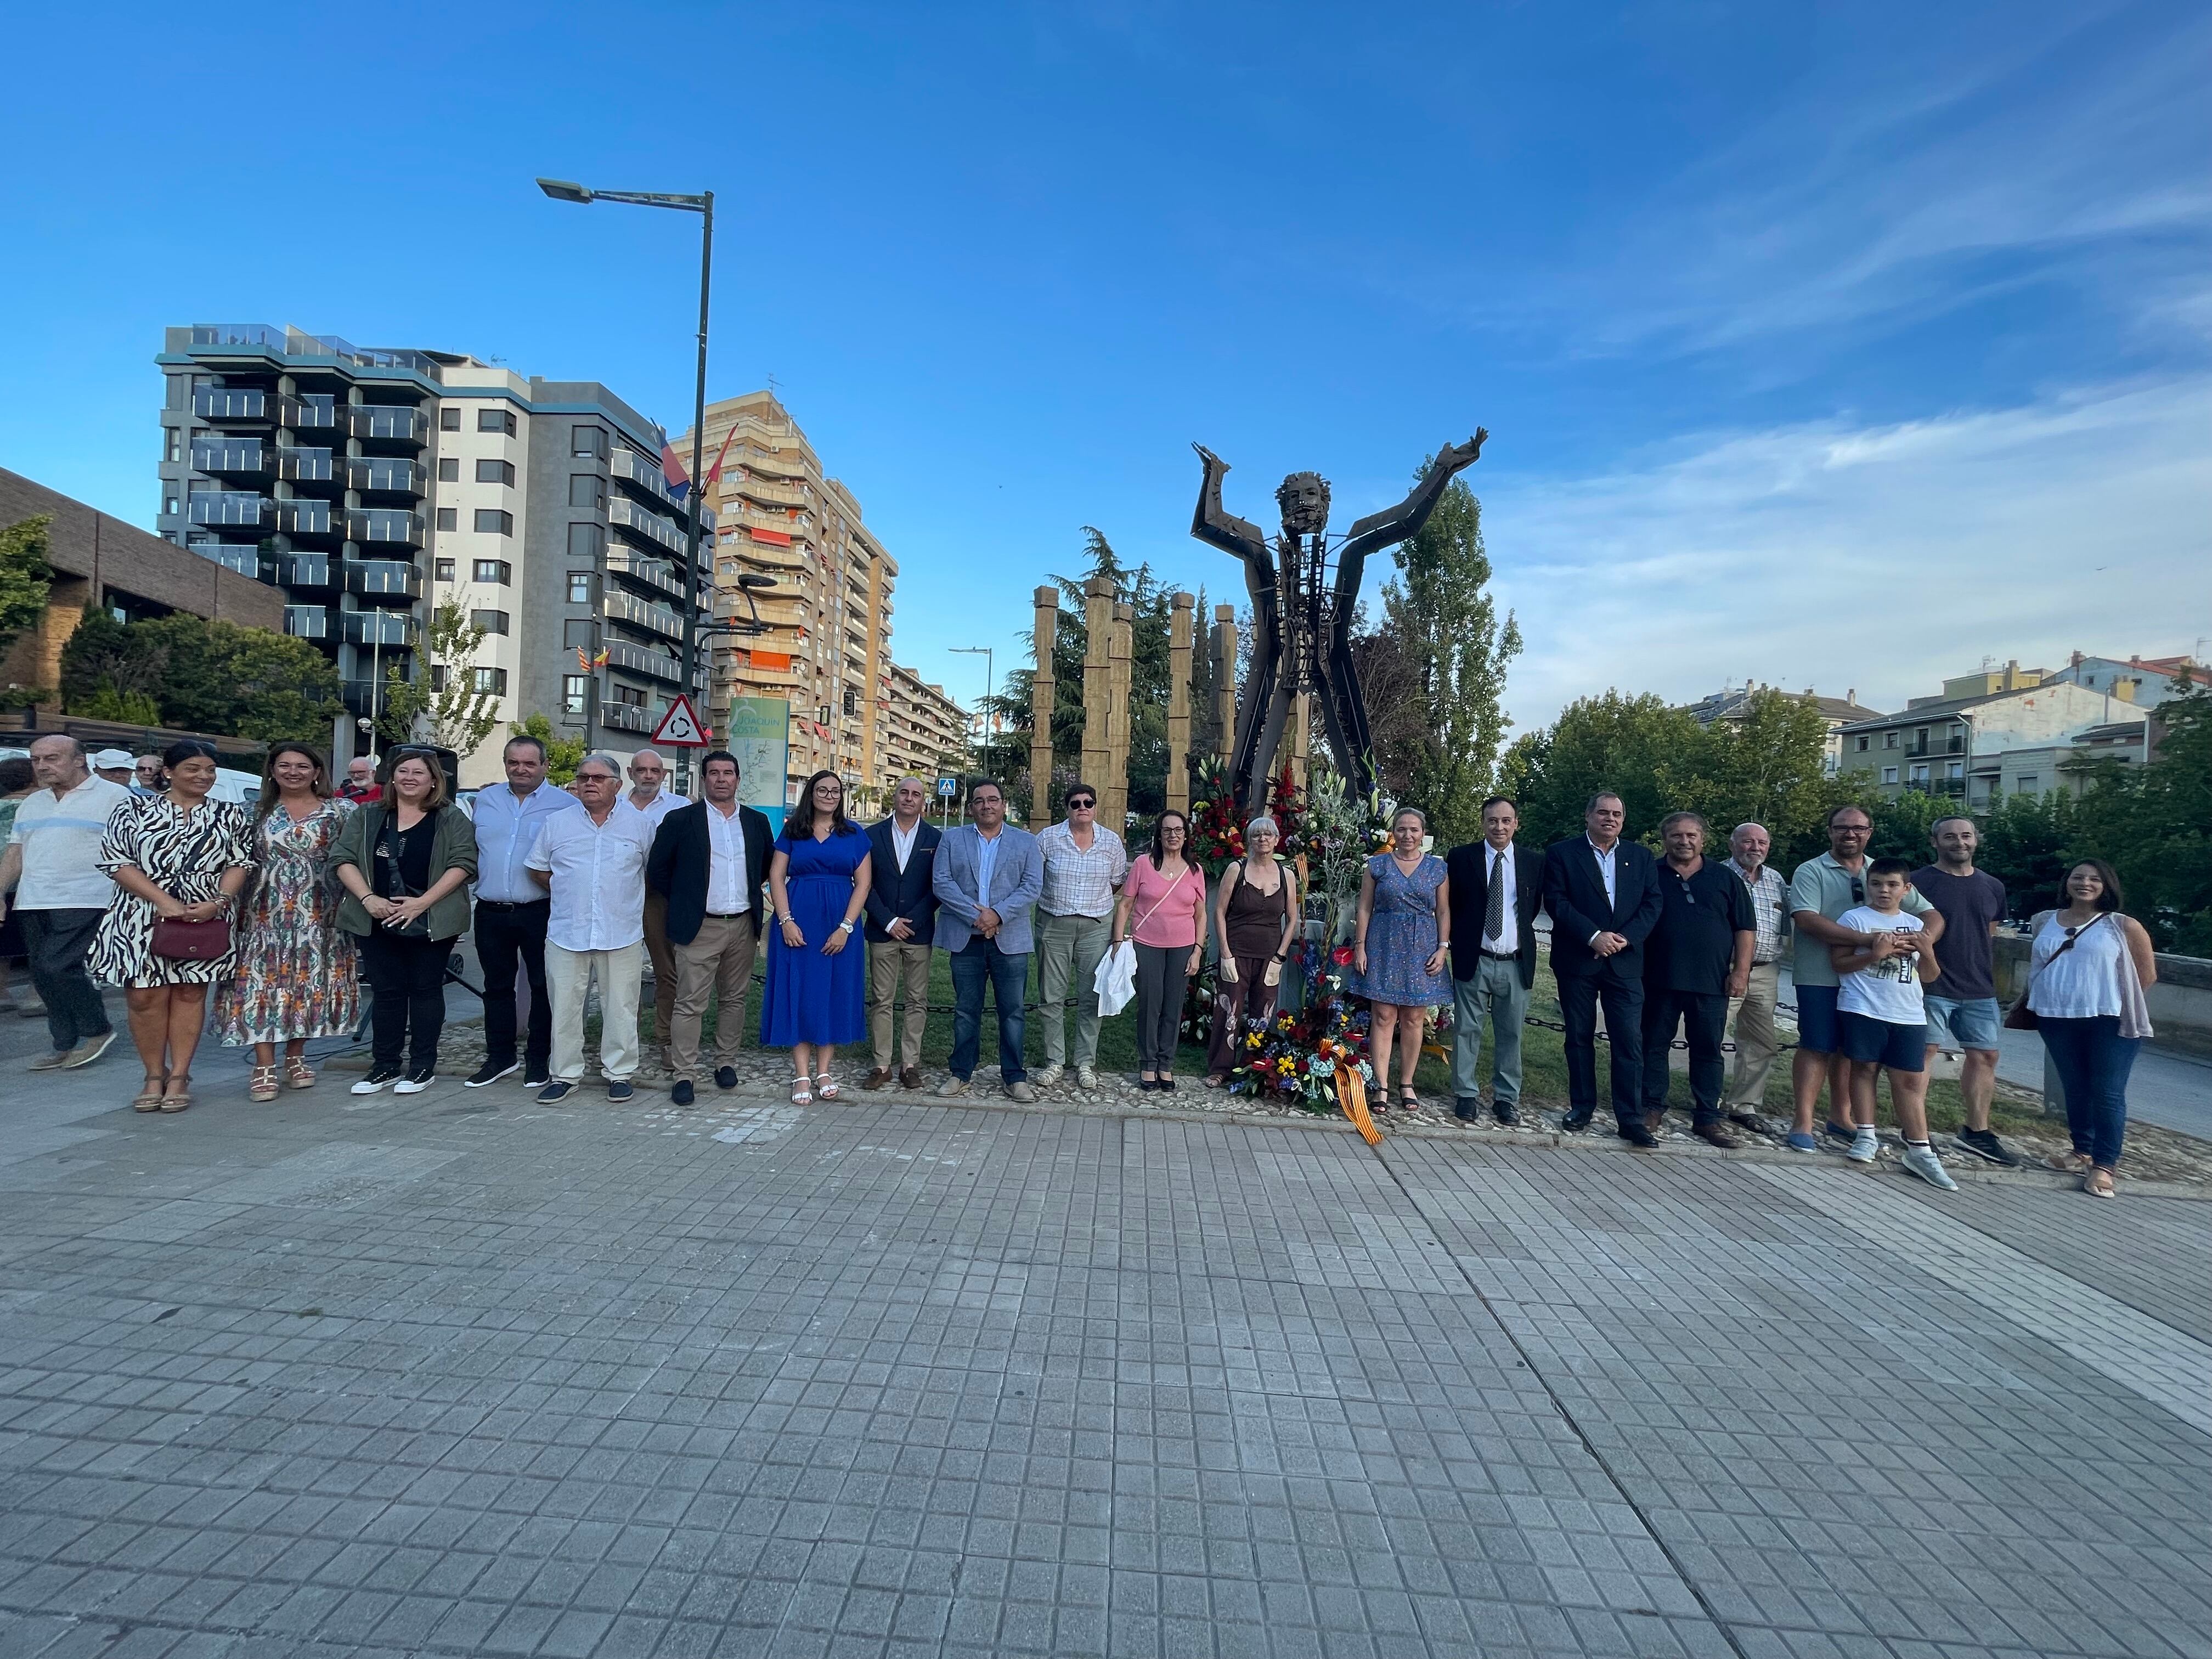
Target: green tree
563, 755
26, 577
441, 704
202, 676
1636, 746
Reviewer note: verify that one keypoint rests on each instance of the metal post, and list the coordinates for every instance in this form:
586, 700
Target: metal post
698, 485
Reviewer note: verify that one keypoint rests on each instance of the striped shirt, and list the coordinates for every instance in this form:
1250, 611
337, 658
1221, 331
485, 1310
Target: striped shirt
1766, 905
1077, 882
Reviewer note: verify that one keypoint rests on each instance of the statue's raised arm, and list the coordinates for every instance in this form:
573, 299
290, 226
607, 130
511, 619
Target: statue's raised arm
1394, 525
1216, 525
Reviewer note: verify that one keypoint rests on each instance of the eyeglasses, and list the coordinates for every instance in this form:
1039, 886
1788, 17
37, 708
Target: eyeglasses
1077, 805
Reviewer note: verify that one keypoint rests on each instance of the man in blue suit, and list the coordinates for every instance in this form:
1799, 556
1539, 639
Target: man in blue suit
1604, 900
987, 878
902, 919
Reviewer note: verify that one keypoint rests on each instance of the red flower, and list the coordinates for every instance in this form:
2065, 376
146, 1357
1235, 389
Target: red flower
1341, 955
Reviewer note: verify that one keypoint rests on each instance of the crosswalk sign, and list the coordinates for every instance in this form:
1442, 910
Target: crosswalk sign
681, 727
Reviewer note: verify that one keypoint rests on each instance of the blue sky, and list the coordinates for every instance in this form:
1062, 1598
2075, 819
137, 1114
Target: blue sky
1833, 346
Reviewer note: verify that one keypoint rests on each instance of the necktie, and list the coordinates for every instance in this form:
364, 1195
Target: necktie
1493, 914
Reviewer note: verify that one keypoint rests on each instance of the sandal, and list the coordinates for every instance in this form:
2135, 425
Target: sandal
825, 1086
1214, 1080
298, 1074
1409, 1099
262, 1085
149, 1097
801, 1095
2066, 1163
2098, 1184
177, 1093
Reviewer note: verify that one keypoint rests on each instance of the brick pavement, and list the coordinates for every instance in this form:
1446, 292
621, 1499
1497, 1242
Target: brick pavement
460, 1375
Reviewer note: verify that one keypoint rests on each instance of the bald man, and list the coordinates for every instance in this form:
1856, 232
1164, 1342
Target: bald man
1751, 1016
648, 794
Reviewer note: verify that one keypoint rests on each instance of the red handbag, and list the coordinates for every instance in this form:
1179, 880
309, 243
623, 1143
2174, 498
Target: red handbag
179, 940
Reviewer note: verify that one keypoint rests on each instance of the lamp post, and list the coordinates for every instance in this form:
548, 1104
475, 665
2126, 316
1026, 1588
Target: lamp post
989, 664
562, 189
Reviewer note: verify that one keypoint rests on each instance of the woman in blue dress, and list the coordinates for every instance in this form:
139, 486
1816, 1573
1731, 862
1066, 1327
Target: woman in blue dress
817, 880
1398, 950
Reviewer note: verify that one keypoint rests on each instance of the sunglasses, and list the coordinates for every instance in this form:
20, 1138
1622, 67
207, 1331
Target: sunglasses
1858, 890
1075, 805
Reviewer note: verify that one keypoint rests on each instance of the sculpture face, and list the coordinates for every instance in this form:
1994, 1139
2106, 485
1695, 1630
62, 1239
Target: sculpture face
1303, 499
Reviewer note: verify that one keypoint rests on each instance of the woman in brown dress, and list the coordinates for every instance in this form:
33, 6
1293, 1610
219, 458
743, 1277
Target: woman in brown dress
1256, 918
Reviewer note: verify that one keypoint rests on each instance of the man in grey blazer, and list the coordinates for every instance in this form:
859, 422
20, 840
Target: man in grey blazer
986, 879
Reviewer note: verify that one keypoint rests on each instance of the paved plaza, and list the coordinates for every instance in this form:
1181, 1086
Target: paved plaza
460, 1374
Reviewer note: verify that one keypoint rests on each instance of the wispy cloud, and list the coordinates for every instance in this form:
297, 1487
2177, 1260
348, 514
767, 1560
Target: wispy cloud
1875, 557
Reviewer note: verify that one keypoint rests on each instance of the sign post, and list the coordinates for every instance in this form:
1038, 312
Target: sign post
681, 727
946, 789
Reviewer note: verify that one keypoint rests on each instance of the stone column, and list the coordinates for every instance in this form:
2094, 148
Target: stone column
1041, 804
1224, 677
1300, 738
1121, 643
1097, 693
1181, 626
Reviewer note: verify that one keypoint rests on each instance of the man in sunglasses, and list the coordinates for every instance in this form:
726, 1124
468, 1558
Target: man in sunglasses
1084, 864
1821, 890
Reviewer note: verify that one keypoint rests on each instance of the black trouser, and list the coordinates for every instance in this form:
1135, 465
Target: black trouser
1579, 996
57, 942
504, 932
1705, 1017
1160, 986
407, 998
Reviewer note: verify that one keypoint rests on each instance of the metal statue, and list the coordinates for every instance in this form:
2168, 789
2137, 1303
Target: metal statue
1304, 595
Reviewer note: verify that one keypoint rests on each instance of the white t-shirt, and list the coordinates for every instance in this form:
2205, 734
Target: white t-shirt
1890, 989
60, 838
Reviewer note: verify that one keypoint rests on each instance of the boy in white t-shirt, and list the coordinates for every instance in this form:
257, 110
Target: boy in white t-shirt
1882, 1020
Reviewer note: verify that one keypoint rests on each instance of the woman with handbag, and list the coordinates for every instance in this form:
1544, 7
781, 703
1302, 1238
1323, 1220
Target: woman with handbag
1255, 919
178, 860
2087, 971
406, 862
298, 976
1166, 893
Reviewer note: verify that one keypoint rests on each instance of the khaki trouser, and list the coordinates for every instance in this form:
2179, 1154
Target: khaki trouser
719, 963
567, 977
1069, 946
1750, 1017
893, 966
664, 971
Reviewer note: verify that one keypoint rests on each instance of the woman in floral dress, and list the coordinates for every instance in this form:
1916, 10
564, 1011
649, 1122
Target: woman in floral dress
1400, 944
298, 976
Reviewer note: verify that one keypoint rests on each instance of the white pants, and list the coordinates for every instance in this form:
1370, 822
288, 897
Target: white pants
567, 977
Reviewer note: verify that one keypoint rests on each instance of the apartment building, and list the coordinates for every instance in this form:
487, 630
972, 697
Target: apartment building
2032, 739
1726, 706
369, 485
827, 650
924, 731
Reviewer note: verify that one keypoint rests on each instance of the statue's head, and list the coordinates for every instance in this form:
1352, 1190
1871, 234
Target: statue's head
1304, 501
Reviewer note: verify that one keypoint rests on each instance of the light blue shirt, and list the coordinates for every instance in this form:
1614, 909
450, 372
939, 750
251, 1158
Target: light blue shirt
984, 859
508, 827
1605, 865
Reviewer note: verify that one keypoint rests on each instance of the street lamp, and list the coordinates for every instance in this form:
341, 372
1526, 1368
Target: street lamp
989, 663
562, 190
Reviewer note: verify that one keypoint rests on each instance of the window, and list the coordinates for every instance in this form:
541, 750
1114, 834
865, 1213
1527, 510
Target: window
498, 571
1889, 775
449, 517
1889, 740
579, 587
577, 633
1920, 772
175, 441
575, 695
585, 541
449, 419
492, 621
2025, 785
492, 521
437, 677
498, 472
1957, 769
495, 420
493, 680
168, 503
630, 696
587, 490
443, 570
1862, 745
588, 442
449, 469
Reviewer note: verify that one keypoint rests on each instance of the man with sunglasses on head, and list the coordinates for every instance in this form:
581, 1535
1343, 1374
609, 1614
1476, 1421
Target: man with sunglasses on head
1085, 863
1821, 890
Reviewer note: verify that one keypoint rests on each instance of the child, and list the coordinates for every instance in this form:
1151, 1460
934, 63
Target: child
1882, 1020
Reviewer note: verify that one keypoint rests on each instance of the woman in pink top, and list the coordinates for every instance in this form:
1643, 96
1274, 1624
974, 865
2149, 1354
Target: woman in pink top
1166, 894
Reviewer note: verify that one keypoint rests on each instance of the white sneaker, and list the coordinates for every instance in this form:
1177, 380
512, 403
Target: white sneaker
1085, 1078
1923, 1162
1864, 1147
1048, 1077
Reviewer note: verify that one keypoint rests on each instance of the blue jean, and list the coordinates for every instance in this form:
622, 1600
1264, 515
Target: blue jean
1009, 976
2093, 1060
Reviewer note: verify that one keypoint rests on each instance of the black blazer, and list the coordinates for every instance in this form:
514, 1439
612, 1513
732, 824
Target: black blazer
677, 867
891, 895
1468, 869
1574, 892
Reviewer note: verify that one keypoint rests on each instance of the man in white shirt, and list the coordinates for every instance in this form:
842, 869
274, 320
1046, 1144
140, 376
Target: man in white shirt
647, 794
592, 865
1497, 888
53, 862
902, 923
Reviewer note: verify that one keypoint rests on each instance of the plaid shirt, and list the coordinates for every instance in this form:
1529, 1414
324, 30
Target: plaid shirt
1077, 882
1768, 894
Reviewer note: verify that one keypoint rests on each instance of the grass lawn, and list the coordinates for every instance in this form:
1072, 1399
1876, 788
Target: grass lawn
1543, 1059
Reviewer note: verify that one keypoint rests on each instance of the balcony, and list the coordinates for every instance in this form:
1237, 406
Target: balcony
310, 414
626, 514
235, 458
636, 659
306, 518
385, 527
1917, 750
658, 617
633, 468
244, 557
386, 475
384, 581
770, 492
624, 717
308, 571
311, 467
652, 573
381, 630
387, 423
243, 403
230, 509
308, 622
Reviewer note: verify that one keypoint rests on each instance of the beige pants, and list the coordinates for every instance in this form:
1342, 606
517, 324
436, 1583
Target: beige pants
567, 977
893, 966
719, 964
665, 972
1750, 1017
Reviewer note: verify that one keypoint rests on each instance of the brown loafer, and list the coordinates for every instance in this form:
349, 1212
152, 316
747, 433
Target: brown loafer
910, 1078
1713, 1135
877, 1078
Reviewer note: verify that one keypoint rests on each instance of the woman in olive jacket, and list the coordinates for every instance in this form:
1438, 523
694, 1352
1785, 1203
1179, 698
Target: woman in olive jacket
406, 862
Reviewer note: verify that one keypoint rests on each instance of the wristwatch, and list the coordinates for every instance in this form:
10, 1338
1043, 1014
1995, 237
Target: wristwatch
844, 926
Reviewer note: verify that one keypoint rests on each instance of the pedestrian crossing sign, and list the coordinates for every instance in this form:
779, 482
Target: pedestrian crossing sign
681, 727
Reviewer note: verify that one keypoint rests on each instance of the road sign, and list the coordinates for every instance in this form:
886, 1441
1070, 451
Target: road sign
681, 727
948, 786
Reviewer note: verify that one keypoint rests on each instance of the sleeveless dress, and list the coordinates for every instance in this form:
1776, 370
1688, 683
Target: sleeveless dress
298, 976
186, 854
812, 997
1401, 936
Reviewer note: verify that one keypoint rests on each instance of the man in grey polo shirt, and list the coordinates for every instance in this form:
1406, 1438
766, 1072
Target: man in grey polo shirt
52, 861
